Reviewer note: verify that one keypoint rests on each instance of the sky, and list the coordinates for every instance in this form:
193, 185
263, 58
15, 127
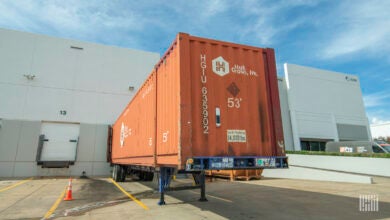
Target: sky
348, 36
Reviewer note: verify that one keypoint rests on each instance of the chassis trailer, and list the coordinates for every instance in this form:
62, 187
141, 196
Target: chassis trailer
207, 105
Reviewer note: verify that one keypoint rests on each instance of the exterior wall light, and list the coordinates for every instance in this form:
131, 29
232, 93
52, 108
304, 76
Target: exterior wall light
29, 76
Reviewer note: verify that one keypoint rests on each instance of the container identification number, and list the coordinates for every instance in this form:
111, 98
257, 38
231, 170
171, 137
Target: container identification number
205, 108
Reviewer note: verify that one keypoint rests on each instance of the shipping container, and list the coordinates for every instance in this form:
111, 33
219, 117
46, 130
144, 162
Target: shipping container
207, 104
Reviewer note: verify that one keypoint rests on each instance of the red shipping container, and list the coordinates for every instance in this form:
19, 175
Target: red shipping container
205, 98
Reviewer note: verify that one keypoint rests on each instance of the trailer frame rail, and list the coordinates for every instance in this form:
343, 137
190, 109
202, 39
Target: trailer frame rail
236, 163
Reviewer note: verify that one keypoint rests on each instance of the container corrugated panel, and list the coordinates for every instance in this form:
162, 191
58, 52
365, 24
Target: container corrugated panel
134, 132
212, 98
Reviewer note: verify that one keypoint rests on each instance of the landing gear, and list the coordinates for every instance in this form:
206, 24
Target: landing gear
202, 187
200, 180
164, 180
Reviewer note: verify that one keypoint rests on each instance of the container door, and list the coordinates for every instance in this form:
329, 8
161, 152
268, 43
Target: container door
230, 101
60, 141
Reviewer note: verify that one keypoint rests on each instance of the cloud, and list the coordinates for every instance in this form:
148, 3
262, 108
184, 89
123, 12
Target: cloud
252, 21
376, 107
375, 121
358, 26
376, 99
268, 18
74, 19
215, 7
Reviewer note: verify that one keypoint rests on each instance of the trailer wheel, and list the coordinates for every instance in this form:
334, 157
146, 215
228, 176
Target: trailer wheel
155, 180
113, 175
117, 173
122, 172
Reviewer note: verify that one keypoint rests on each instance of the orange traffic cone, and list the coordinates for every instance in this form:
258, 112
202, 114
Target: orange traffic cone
68, 196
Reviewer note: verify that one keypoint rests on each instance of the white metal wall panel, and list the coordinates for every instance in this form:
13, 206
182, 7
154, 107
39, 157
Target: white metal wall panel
16, 52
110, 107
91, 64
65, 78
318, 99
123, 70
84, 107
12, 100
286, 119
46, 104
324, 91
54, 63
315, 129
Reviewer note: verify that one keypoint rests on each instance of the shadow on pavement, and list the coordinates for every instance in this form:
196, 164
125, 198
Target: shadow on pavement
234, 200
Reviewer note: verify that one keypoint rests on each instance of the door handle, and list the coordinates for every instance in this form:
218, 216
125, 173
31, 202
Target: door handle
72, 140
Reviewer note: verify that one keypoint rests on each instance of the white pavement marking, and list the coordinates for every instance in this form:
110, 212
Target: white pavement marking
215, 197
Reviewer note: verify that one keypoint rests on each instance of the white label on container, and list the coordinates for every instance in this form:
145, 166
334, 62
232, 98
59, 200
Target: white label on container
125, 132
236, 136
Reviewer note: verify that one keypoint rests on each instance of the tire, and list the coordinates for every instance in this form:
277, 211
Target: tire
114, 172
122, 171
155, 180
117, 173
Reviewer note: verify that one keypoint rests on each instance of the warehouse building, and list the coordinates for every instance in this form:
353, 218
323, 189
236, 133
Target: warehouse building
320, 106
57, 98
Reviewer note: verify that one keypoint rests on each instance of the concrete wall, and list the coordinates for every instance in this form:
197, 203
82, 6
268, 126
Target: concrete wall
19, 143
315, 174
319, 100
362, 165
18, 147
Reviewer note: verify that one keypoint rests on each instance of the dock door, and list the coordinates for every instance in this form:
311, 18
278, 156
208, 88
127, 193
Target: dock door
58, 144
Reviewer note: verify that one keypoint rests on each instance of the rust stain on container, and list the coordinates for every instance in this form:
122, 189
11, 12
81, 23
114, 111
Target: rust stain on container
204, 98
